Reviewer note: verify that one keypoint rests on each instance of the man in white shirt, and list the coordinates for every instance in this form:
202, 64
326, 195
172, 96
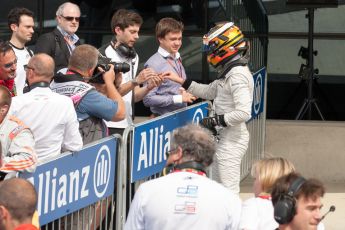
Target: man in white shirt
185, 198
50, 116
21, 23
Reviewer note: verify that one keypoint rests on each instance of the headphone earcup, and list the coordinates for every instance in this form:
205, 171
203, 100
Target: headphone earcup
126, 51
284, 209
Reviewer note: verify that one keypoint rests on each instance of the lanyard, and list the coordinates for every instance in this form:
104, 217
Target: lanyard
190, 170
177, 67
265, 197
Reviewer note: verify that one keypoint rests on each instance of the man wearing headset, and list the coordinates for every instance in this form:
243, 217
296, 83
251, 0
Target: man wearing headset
185, 198
125, 25
297, 203
232, 92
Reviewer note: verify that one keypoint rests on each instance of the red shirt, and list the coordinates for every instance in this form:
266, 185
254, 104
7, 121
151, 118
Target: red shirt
26, 227
9, 85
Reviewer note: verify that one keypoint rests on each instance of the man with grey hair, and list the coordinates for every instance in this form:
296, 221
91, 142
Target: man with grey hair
184, 198
60, 43
91, 106
50, 116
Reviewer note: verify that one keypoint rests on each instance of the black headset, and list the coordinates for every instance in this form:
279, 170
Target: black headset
41, 84
185, 165
285, 208
125, 51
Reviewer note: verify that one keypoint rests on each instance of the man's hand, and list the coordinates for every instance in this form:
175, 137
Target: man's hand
187, 97
145, 75
154, 81
173, 77
109, 76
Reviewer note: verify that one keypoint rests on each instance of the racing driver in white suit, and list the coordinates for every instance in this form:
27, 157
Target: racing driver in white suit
232, 92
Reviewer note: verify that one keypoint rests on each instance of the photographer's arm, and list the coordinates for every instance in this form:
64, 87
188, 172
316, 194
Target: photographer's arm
114, 95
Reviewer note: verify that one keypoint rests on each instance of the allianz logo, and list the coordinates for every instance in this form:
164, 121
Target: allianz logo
257, 94
59, 187
155, 141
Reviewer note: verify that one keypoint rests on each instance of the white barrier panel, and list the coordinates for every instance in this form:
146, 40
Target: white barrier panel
74, 180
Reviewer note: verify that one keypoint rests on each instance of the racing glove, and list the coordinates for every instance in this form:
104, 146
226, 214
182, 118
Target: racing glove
211, 122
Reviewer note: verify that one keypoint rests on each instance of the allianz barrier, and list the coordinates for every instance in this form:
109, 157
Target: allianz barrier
73, 181
144, 144
76, 190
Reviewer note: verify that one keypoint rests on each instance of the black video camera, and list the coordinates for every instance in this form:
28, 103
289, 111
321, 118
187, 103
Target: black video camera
104, 63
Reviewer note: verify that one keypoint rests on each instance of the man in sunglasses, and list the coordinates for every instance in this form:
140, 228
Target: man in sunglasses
50, 116
8, 66
21, 23
60, 43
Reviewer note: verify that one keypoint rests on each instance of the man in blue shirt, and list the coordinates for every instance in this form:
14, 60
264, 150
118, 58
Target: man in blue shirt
167, 97
92, 107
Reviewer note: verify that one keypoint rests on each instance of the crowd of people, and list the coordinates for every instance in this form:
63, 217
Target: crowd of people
58, 98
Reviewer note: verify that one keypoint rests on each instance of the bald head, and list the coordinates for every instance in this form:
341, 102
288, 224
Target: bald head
43, 65
19, 197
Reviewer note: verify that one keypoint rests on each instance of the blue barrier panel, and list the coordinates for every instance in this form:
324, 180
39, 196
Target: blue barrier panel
152, 139
74, 181
259, 92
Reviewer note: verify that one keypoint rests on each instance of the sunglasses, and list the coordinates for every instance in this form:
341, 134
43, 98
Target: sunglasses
9, 65
70, 19
26, 67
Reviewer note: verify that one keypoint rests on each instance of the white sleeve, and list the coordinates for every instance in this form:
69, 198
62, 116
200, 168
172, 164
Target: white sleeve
72, 140
243, 98
204, 91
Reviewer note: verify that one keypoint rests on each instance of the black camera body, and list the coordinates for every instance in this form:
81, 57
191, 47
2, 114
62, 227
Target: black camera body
104, 63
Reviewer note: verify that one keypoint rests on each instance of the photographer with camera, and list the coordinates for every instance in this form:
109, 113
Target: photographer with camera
91, 106
125, 25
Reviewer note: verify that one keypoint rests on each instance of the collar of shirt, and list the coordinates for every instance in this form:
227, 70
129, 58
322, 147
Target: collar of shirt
166, 54
73, 38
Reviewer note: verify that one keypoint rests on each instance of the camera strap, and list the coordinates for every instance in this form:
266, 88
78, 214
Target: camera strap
133, 96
